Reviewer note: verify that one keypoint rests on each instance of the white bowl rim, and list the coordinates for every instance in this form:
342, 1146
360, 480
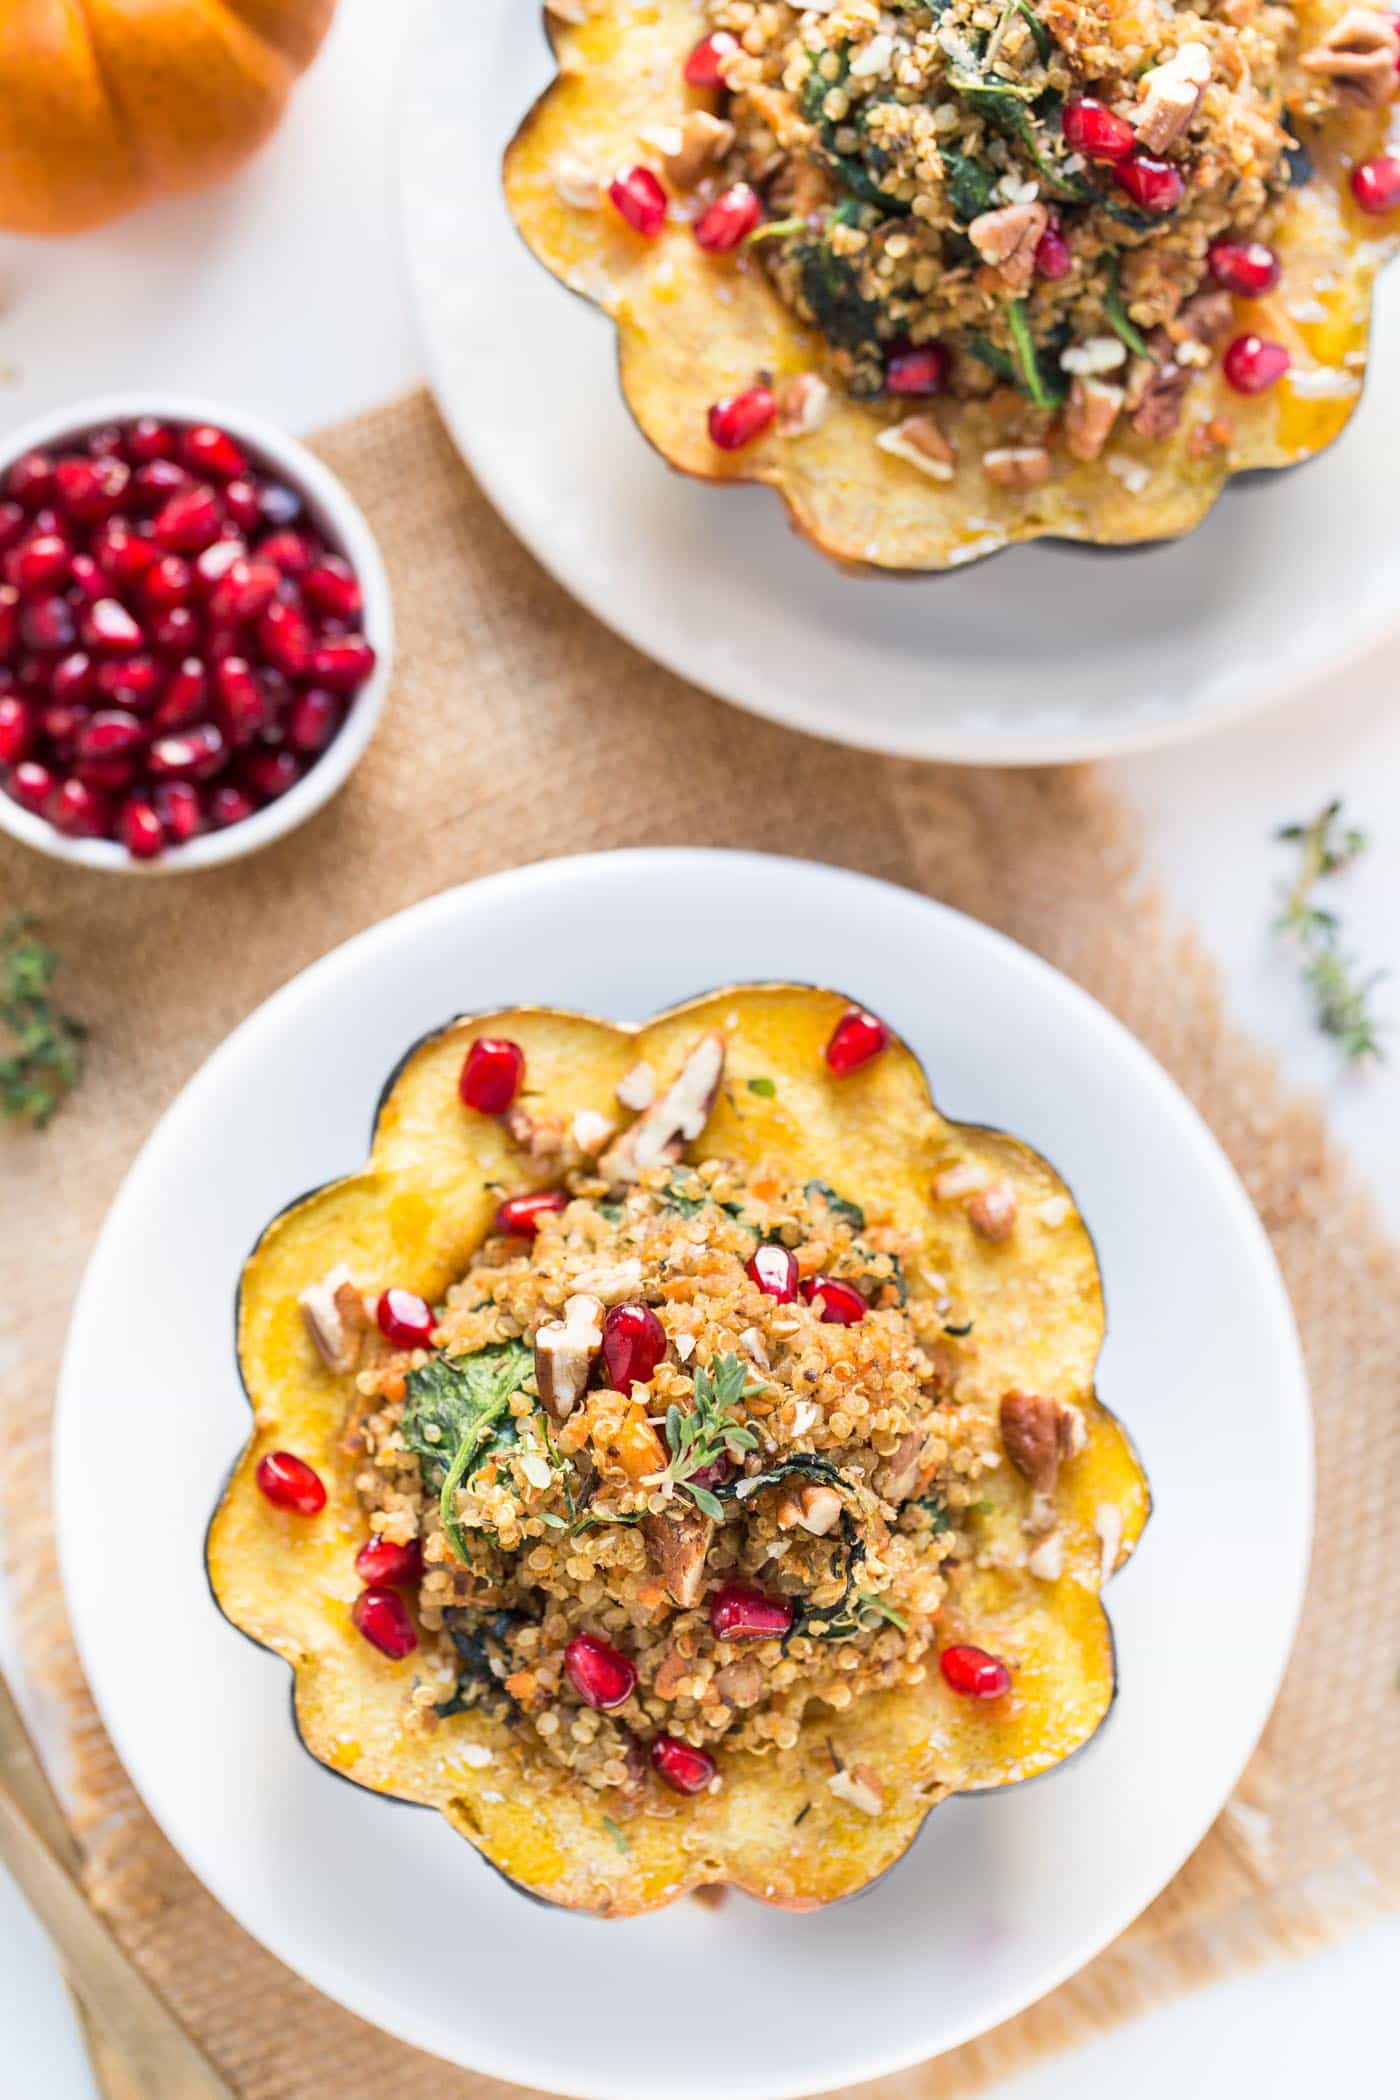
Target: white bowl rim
349, 528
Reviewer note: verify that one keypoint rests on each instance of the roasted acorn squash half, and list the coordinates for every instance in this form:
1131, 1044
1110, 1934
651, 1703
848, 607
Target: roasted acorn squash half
792, 1827
698, 328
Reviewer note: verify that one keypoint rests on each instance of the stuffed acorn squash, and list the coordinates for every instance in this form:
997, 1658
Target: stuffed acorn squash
951, 274
676, 1455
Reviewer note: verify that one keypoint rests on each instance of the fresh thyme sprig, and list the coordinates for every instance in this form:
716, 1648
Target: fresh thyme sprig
1341, 999
713, 1429
46, 1063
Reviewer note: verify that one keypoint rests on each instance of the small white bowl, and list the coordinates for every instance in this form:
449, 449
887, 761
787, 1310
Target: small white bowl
341, 522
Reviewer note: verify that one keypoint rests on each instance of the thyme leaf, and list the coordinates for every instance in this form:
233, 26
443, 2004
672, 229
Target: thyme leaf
41, 1071
1341, 997
713, 1429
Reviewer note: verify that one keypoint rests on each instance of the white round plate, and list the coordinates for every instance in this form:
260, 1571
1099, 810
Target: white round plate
382, 1906
1040, 655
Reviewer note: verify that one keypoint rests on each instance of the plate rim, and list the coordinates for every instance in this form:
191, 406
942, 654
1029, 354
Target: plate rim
366, 2001
1281, 683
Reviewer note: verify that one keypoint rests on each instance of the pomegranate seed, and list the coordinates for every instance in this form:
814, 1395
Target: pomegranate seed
856, 1038
186, 696
178, 807
112, 775
521, 1214
85, 580
741, 1613
208, 450
290, 1483
291, 552
177, 632
112, 733
30, 480
246, 590
704, 67
974, 1673
729, 220
1154, 185
921, 371
189, 521
30, 672
774, 1270
16, 729
72, 677
89, 489
140, 829
242, 504
838, 1304
130, 681
343, 665
40, 563
79, 810
193, 754
330, 586
405, 1318
602, 1678
634, 1342
153, 484
385, 1561
1375, 184
492, 1074
314, 720
122, 554
715, 1475
229, 805
47, 624
270, 773
9, 618
743, 417
149, 438
60, 725
105, 442
214, 563
1250, 268
683, 1767
1052, 257
382, 1617
241, 708
1095, 132
284, 633
1252, 364
31, 785
168, 583
11, 524
639, 198
108, 625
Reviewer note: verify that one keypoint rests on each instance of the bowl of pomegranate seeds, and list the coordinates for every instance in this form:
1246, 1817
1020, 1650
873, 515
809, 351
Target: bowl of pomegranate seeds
195, 635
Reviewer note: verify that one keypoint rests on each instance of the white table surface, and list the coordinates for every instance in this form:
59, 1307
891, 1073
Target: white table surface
244, 293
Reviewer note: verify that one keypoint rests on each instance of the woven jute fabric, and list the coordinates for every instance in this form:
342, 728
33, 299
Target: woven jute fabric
505, 690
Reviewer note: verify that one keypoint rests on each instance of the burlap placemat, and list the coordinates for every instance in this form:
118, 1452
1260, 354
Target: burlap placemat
519, 729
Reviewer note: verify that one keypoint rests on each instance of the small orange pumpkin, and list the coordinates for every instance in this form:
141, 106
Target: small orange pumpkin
108, 103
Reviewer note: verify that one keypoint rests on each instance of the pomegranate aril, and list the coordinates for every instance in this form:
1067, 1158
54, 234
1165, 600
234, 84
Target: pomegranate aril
178, 806
12, 521
30, 480
314, 719
132, 681
382, 1617
1095, 131
521, 1214
1053, 260
492, 1073
176, 632
974, 1673
284, 633
72, 677
186, 696
154, 484
122, 554
149, 438
290, 1483
774, 1270
343, 665
270, 774
240, 699
330, 586
191, 754
16, 729
739, 1612
857, 1037
639, 200
213, 565
140, 829
386, 1561
230, 805
634, 1342
9, 618
729, 220
241, 503
39, 563
31, 672
111, 733
703, 68
86, 582
1249, 268
247, 589
920, 371
112, 775
47, 625
1155, 186
405, 1318
79, 811
291, 552
105, 442
737, 421
601, 1676
31, 785
189, 521
107, 625
59, 725
89, 489
168, 583
208, 450
838, 1304
1375, 184
686, 1769
1252, 364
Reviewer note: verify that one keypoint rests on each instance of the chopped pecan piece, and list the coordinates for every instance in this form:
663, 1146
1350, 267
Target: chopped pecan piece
1007, 240
336, 1318
1358, 54
1090, 414
1171, 95
920, 441
861, 1786
678, 1543
698, 142
803, 402
992, 1211
541, 1138
661, 1133
1018, 467
813, 1507
564, 1353
1037, 1434
899, 1475
740, 1683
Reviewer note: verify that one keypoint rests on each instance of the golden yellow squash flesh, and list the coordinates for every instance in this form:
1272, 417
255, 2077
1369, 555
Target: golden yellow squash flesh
694, 329
416, 1215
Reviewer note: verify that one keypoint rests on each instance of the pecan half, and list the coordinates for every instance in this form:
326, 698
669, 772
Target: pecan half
1037, 1434
1007, 240
564, 1353
1358, 55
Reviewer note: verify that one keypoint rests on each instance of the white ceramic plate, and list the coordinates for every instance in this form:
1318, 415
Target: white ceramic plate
385, 1908
1044, 654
